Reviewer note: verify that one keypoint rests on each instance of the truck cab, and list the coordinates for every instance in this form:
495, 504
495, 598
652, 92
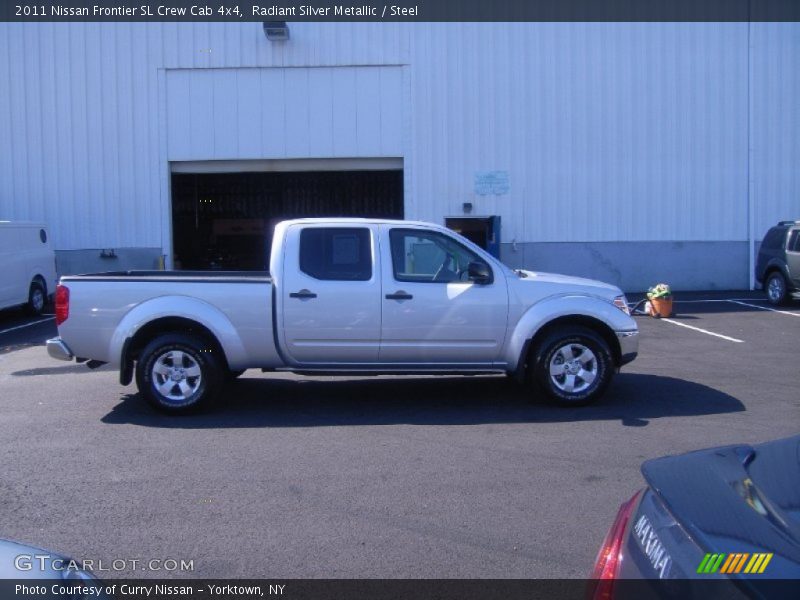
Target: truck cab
377, 293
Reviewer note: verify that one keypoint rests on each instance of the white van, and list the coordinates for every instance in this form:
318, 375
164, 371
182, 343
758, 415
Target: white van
28, 265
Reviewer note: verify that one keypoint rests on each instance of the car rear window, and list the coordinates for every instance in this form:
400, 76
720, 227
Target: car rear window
774, 239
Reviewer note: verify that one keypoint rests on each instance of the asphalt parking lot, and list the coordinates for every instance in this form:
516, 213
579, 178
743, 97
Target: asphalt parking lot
420, 477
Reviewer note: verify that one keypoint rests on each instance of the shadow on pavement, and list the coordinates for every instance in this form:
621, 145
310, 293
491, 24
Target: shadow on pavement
632, 399
60, 370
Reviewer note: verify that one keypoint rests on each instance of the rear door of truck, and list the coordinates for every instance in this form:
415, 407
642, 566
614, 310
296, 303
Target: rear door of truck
330, 294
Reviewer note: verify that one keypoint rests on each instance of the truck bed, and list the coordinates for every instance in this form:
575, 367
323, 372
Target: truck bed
236, 306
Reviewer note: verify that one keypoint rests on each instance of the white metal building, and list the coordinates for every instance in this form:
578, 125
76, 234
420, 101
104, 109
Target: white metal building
630, 152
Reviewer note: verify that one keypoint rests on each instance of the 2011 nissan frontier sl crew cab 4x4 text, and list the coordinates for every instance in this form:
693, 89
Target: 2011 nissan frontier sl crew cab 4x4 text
348, 296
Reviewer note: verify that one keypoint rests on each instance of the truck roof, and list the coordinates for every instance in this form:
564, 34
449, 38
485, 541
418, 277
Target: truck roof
361, 220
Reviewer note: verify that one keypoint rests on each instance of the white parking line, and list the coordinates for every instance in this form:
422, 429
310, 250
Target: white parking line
720, 300
783, 312
26, 325
719, 335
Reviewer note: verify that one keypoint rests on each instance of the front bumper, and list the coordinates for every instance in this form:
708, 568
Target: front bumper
628, 345
58, 349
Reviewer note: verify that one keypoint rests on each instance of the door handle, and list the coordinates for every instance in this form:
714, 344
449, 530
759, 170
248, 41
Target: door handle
399, 295
302, 294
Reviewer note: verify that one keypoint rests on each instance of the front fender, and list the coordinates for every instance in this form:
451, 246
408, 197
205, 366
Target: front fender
193, 309
564, 305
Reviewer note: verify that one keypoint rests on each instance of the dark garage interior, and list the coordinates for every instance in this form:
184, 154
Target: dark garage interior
224, 221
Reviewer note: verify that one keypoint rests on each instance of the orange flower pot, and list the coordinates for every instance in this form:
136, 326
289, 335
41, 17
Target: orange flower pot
661, 307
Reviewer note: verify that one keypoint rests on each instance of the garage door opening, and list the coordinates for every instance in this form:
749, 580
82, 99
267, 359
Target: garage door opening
224, 221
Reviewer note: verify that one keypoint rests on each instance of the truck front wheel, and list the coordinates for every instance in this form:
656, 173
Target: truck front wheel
178, 373
573, 366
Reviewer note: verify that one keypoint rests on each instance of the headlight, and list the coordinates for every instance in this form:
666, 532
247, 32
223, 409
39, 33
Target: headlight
621, 302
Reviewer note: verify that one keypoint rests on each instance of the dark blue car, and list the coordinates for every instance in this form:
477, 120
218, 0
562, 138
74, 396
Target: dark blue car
723, 522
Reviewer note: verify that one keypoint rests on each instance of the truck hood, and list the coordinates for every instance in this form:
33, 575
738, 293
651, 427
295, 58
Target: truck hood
569, 283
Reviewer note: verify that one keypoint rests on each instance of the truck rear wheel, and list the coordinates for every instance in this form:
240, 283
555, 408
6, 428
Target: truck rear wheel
178, 373
573, 367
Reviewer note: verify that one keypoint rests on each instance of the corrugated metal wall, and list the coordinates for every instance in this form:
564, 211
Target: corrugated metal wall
774, 124
83, 116
609, 132
301, 112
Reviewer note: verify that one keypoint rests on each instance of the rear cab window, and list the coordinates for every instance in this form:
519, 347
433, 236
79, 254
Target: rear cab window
336, 253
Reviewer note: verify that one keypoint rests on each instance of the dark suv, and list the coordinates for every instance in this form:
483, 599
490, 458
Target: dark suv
778, 264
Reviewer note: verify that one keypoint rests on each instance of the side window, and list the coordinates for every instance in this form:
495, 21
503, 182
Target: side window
794, 241
336, 253
429, 257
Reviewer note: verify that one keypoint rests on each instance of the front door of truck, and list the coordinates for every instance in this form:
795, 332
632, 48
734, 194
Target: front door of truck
330, 294
432, 313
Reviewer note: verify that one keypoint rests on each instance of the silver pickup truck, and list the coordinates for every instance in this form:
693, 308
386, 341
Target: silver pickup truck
347, 296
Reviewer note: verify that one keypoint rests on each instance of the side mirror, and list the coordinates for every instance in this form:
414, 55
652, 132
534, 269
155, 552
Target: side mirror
479, 272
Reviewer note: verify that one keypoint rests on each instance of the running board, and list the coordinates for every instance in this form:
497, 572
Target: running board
374, 372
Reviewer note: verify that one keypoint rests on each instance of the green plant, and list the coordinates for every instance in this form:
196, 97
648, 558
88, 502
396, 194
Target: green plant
662, 290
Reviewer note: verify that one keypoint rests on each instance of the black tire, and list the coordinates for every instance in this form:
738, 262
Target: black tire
37, 298
572, 342
232, 375
197, 392
776, 288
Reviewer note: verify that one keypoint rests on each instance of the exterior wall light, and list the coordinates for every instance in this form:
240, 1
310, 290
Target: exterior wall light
276, 31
